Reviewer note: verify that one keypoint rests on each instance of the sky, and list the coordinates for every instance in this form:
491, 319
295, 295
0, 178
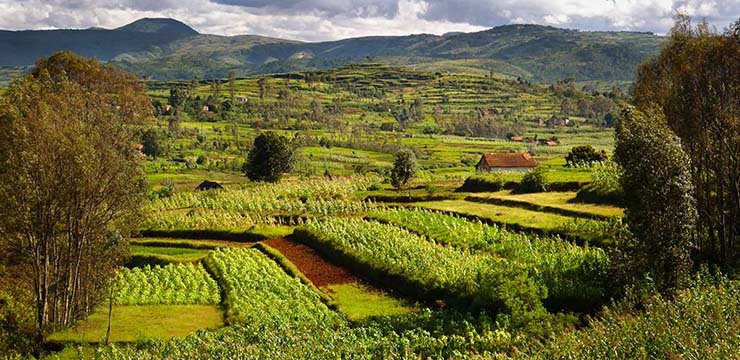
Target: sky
319, 20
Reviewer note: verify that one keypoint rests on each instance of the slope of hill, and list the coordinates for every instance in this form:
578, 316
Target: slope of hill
158, 25
20, 48
168, 49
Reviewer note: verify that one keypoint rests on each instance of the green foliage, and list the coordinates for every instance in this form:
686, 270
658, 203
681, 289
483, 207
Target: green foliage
534, 180
703, 322
72, 180
270, 158
404, 169
424, 268
151, 143
257, 291
584, 155
483, 183
240, 209
574, 275
605, 187
173, 284
694, 85
661, 210
16, 323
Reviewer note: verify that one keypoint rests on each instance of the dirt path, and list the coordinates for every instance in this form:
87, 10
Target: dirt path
320, 271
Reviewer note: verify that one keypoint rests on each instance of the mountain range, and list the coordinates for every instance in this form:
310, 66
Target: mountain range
169, 49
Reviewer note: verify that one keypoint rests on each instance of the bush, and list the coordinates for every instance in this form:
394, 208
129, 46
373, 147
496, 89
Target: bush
584, 155
599, 194
533, 181
482, 183
703, 322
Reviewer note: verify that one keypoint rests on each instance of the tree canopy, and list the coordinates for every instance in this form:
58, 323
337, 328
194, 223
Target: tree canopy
404, 169
661, 210
270, 157
71, 180
694, 83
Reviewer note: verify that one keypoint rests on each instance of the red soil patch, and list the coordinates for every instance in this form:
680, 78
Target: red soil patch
317, 269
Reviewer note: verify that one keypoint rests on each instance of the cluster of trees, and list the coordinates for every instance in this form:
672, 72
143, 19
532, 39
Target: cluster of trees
679, 152
71, 184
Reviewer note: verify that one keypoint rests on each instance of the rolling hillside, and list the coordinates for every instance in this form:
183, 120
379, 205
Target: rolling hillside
169, 49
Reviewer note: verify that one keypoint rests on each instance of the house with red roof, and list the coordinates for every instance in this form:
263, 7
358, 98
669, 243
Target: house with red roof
516, 161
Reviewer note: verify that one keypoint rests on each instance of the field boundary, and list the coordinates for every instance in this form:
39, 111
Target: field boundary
536, 207
380, 278
510, 226
226, 235
292, 270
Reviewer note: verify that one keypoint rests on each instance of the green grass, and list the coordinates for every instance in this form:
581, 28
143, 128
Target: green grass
501, 214
272, 231
359, 301
172, 254
558, 200
134, 323
178, 243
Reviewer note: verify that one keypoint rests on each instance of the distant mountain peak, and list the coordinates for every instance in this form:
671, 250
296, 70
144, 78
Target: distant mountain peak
159, 25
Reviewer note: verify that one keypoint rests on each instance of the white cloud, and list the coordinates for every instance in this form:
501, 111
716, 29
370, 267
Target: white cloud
315, 20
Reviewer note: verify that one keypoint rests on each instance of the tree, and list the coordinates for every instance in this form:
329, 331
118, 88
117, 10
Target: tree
584, 155
658, 194
404, 169
270, 158
695, 83
150, 143
71, 180
232, 86
416, 110
177, 97
262, 82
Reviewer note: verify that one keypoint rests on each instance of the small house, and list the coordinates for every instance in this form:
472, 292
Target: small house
209, 185
558, 121
506, 162
517, 138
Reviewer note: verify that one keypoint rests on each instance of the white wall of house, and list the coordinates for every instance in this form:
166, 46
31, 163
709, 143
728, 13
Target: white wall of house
500, 169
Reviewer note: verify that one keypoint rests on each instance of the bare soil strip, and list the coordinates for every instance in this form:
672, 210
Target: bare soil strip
320, 271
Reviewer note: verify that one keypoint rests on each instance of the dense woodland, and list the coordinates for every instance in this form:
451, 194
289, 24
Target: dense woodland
621, 243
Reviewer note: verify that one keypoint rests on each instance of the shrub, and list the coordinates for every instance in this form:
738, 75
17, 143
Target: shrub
533, 181
482, 183
584, 155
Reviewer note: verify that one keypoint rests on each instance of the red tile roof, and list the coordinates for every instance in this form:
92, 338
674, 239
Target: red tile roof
508, 160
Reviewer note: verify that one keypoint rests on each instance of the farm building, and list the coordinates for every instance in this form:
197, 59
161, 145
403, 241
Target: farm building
209, 185
517, 138
506, 162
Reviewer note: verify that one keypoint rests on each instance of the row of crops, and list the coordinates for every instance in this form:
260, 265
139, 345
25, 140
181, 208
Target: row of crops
574, 275
257, 290
200, 219
300, 196
173, 284
275, 316
419, 267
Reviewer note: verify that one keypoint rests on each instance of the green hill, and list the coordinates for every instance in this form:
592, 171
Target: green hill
169, 49
158, 25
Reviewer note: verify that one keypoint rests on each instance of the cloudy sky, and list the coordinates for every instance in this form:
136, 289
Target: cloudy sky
314, 20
